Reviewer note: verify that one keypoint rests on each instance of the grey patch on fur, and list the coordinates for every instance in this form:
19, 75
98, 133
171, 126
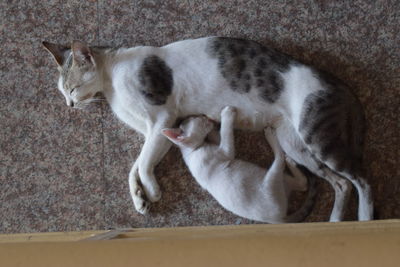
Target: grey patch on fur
156, 80
333, 125
246, 65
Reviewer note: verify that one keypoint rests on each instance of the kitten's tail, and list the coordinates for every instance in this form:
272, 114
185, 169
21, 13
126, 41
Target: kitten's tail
301, 214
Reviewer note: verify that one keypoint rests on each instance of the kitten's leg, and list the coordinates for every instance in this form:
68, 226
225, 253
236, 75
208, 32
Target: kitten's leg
279, 158
227, 145
274, 180
298, 181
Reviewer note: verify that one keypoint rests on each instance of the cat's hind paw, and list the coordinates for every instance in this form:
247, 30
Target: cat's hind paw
143, 208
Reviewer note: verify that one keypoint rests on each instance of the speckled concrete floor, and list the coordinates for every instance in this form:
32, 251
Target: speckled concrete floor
63, 170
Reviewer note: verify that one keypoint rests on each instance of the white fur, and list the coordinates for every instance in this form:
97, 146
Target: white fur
60, 87
299, 82
241, 187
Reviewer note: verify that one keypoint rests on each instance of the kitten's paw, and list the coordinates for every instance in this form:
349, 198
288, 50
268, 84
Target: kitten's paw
269, 132
228, 112
139, 201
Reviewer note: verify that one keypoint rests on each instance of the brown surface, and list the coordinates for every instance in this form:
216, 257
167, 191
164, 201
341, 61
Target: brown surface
63, 169
314, 244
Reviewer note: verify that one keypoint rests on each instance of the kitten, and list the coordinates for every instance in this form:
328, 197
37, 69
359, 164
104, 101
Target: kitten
150, 88
239, 186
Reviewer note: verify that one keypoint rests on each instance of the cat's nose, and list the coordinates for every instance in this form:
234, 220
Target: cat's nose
71, 104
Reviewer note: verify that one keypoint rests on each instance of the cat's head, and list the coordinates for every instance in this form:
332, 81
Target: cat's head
191, 133
79, 79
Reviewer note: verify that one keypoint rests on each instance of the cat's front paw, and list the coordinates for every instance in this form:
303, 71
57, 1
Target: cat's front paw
139, 201
228, 113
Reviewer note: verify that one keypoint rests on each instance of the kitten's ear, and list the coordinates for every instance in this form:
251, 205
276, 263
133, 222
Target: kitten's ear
81, 53
174, 134
59, 52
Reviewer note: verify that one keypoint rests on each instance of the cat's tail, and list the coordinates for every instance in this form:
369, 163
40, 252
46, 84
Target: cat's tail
302, 213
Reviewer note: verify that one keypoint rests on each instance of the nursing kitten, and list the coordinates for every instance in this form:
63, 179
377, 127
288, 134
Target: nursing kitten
150, 88
239, 186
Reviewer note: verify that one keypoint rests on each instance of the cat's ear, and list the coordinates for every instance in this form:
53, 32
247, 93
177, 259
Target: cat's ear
59, 52
81, 53
174, 134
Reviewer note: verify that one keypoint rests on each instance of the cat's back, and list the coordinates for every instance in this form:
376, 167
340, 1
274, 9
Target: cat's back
191, 62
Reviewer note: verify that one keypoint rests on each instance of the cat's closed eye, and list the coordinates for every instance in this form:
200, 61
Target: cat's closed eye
72, 90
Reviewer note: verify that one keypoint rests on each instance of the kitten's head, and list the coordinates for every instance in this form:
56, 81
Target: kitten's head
191, 133
79, 80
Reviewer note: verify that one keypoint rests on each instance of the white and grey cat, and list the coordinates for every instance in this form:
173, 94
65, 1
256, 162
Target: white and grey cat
150, 88
239, 186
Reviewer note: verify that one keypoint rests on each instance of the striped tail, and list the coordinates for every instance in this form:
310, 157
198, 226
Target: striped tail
302, 213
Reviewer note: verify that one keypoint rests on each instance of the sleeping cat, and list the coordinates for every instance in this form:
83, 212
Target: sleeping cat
241, 187
150, 88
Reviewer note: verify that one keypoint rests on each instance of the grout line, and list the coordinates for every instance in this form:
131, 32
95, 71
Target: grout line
102, 126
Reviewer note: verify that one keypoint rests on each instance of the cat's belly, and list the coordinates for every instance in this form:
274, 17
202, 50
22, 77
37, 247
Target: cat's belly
250, 114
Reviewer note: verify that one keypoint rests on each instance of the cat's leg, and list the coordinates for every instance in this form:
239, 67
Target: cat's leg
227, 145
365, 203
332, 126
341, 186
295, 148
143, 185
154, 149
137, 193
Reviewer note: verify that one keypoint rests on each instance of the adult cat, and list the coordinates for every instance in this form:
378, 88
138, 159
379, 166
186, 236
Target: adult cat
149, 88
239, 186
